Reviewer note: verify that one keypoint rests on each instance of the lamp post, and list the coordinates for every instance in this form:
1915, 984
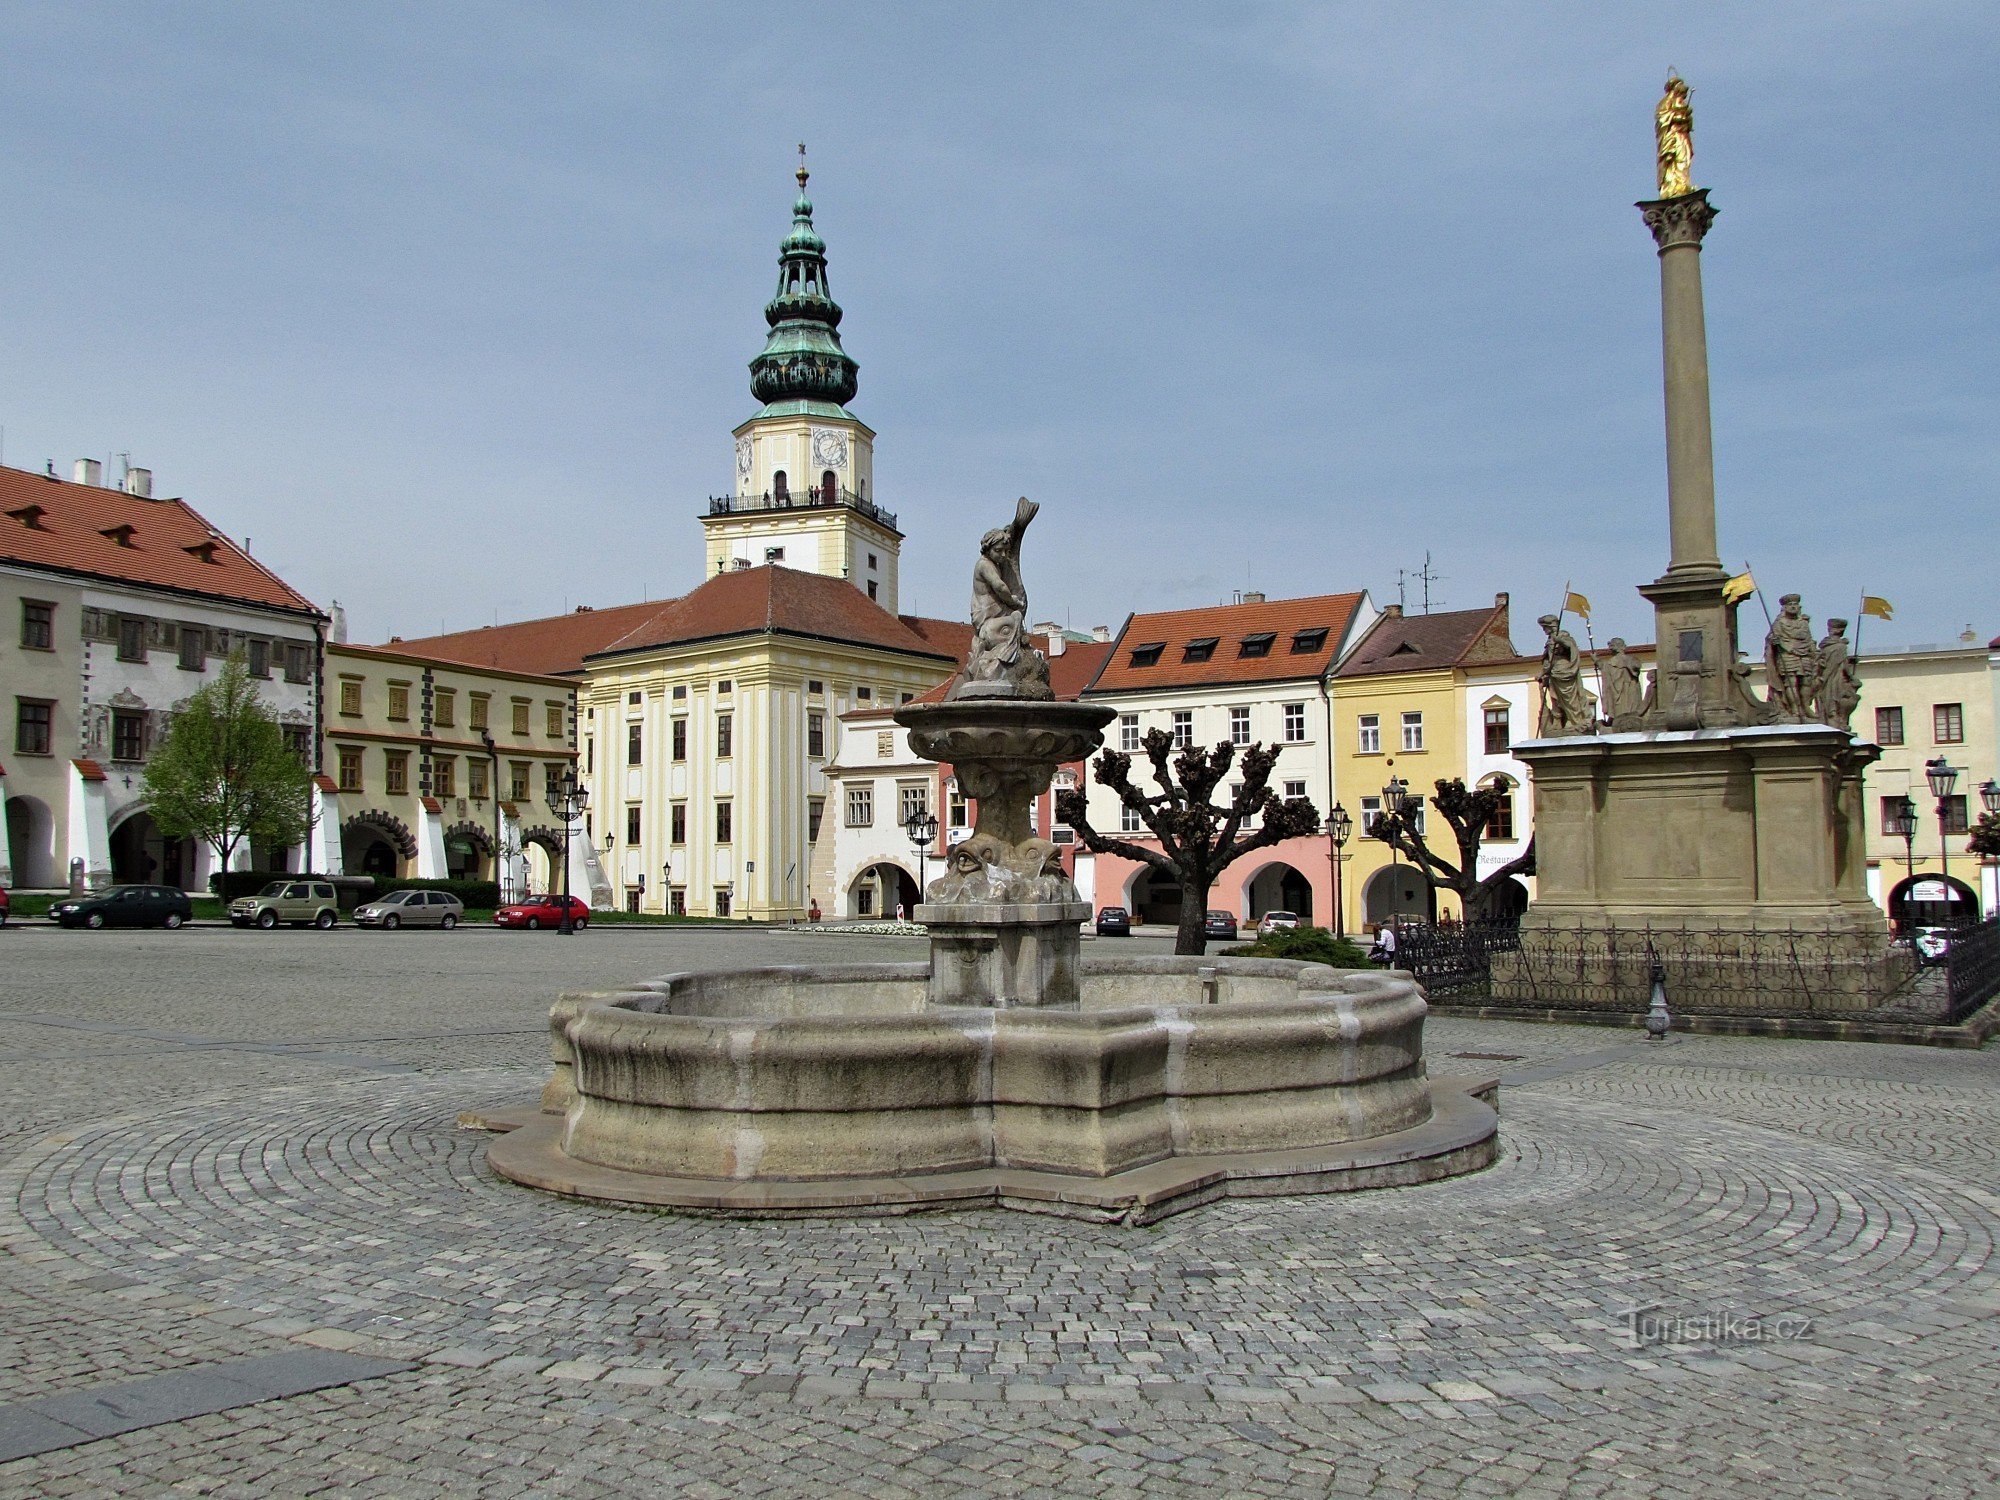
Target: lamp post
493, 787
1903, 825
1395, 797
568, 802
1943, 776
922, 829
1989, 794
1339, 828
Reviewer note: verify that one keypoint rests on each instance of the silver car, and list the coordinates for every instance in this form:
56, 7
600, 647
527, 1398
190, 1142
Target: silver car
412, 909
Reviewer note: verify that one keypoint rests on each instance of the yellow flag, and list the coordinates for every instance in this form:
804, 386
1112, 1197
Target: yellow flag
1577, 605
1881, 609
1739, 588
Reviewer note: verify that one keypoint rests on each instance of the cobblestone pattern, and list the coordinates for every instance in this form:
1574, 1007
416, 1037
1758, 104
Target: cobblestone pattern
169, 1203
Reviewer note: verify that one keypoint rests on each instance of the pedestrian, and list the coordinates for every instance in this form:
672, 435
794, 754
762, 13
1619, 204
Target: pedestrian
899, 911
1384, 951
812, 915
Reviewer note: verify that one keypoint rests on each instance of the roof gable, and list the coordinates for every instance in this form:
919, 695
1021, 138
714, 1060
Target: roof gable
780, 600
1432, 643
86, 529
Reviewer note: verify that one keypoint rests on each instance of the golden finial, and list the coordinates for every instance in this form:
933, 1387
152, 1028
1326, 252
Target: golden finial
802, 174
1673, 123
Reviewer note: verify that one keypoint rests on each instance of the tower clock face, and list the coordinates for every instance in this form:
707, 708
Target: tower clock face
830, 448
743, 458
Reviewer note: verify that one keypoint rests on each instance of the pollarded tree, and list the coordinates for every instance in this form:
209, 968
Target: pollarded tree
1198, 838
1467, 812
223, 773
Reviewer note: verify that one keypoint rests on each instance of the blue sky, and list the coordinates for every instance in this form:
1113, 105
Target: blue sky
448, 307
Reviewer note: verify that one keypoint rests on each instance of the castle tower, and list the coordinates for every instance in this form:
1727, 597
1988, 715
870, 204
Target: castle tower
805, 464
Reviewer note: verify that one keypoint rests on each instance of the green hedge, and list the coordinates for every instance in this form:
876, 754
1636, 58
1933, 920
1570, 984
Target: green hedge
349, 890
1312, 944
482, 895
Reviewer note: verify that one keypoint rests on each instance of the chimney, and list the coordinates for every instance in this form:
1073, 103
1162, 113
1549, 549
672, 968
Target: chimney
1057, 644
139, 482
1101, 634
1254, 596
89, 471
336, 628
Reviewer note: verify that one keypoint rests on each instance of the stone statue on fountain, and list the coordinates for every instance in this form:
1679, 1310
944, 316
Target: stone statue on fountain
1003, 916
1001, 663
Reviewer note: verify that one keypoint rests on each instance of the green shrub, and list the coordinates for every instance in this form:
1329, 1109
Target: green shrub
1313, 945
349, 890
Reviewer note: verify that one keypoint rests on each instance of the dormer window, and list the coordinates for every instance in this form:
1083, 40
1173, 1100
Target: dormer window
122, 535
1200, 650
1258, 644
201, 552
30, 516
1148, 655
1307, 641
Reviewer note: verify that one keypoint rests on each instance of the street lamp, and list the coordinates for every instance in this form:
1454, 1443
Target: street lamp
1943, 776
1902, 823
922, 829
1989, 793
567, 801
1339, 827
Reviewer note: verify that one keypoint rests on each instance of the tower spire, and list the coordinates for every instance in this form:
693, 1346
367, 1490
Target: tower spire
802, 359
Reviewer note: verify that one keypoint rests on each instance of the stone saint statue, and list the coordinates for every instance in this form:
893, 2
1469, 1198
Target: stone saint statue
1838, 687
1624, 699
1673, 121
1568, 707
1001, 663
1791, 662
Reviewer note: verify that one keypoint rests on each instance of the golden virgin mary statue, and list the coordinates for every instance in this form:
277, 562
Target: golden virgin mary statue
1674, 123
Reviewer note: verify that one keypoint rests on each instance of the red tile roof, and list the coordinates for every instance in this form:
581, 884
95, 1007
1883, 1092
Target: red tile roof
551, 647
1420, 643
1228, 626
91, 531
785, 601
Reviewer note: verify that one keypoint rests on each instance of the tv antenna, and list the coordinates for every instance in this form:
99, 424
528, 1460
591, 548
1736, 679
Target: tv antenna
1426, 576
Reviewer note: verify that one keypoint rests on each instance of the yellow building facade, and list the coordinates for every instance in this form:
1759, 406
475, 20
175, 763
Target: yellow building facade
435, 768
1401, 711
1923, 704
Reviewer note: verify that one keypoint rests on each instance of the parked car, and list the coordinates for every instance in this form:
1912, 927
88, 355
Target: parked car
125, 906
4, 907
412, 909
1277, 921
542, 911
1219, 924
1932, 944
292, 901
1114, 921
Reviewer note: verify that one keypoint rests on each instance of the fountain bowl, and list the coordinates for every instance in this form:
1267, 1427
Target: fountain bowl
844, 1089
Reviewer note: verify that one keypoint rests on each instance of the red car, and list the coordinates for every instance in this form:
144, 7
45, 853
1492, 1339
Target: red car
3, 906
542, 911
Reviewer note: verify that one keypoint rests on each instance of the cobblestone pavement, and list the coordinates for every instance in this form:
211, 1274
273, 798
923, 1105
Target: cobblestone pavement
220, 1146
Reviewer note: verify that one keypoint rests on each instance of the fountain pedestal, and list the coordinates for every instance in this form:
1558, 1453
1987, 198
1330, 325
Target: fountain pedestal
1002, 954
1004, 916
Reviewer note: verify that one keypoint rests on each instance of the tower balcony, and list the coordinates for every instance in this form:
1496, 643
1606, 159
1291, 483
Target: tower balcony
824, 497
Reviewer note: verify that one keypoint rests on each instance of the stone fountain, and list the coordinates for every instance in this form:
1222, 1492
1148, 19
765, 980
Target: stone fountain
1006, 1070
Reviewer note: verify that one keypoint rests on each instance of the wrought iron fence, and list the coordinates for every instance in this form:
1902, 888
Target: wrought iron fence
1972, 968
1734, 971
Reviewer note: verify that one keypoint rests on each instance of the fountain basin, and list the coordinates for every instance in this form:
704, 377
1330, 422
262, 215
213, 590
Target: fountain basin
828, 1088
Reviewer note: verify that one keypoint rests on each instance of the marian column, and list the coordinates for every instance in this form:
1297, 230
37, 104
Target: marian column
1696, 627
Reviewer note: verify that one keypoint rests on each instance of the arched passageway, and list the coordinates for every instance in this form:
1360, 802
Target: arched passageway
1932, 901
141, 854
31, 844
1397, 891
878, 890
1280, 887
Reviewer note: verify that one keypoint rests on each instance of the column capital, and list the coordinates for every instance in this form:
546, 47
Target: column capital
1678, 221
